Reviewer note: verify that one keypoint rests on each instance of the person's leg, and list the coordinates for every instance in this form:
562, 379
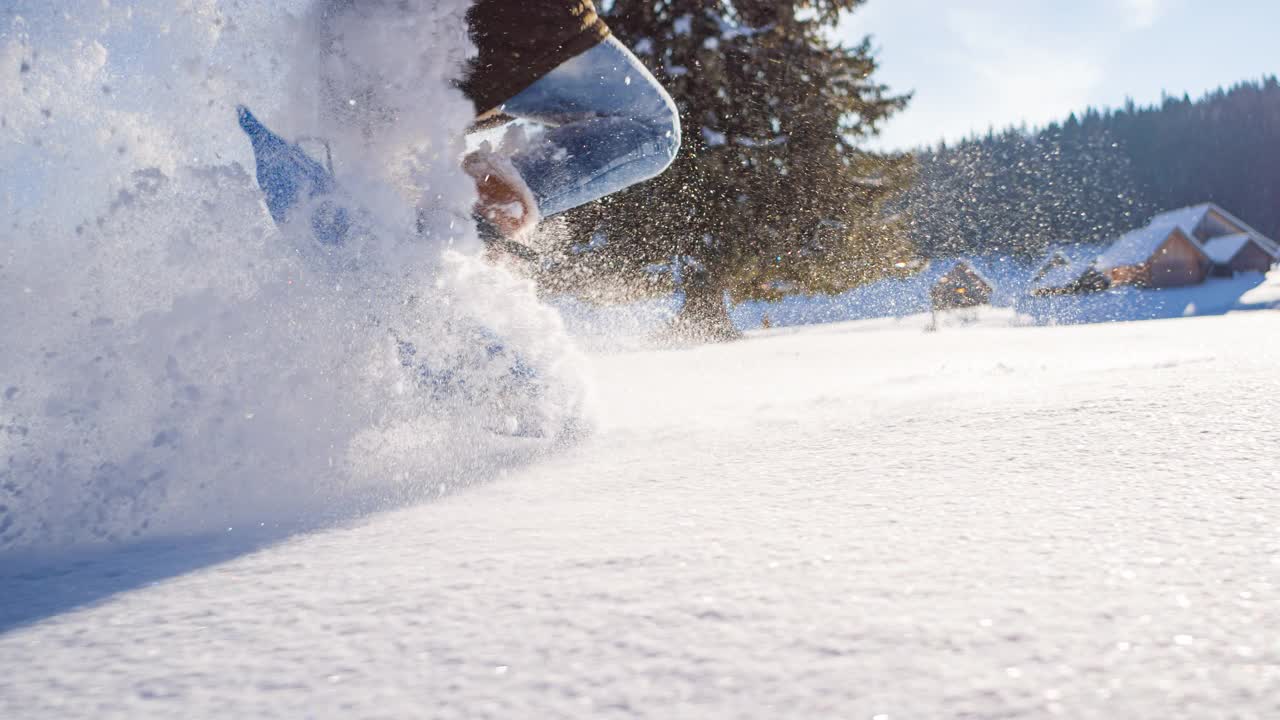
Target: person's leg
612, 125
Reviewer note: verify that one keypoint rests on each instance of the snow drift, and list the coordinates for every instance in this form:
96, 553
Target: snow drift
172, 362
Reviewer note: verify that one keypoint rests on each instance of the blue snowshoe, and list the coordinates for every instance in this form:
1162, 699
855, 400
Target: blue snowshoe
289, 178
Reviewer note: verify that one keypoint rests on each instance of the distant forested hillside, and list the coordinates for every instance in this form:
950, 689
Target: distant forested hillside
1093, 176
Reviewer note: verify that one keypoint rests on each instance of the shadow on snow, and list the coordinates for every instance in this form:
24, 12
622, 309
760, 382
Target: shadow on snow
40, 584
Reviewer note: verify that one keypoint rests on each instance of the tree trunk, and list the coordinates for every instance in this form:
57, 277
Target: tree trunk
704, 317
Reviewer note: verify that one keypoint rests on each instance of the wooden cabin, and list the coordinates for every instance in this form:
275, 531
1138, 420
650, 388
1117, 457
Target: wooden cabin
1156, 256
961, 286
1240, 253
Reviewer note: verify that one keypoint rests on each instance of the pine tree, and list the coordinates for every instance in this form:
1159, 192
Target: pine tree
772, 192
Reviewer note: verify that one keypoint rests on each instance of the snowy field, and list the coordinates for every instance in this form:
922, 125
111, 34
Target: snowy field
245, 477
857, 520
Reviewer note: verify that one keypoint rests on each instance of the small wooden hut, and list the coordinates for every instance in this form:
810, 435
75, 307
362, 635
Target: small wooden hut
1076, 279
961, 286
1060, 275
1056, 259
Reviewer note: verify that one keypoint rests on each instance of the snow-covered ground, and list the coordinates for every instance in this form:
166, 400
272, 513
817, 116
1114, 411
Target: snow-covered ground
904, 297
857, 520
318, 483
1012, 284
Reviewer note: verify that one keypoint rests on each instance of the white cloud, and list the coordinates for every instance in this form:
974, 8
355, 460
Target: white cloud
993, 63
989, 64
1021, 73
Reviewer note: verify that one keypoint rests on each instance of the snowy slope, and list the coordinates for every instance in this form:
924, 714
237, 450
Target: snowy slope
857, 520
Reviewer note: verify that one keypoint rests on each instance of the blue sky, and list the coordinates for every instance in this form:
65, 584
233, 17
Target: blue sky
977, 63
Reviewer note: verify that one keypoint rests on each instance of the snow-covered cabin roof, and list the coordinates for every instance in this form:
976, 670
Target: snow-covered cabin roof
1223, 250
1063, 253
1055, 259
1060, 276
946, 267
1187, 218
1137, 247
1190, 218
